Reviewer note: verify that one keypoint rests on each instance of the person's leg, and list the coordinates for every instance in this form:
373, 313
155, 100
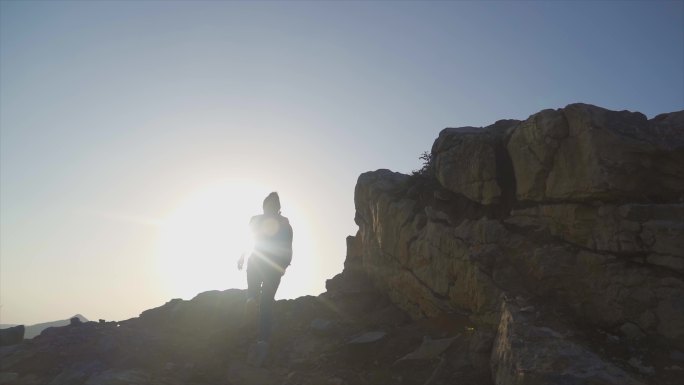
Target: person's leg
254, 280
271, 283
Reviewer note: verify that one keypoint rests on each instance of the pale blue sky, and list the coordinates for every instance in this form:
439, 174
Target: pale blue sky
116, 115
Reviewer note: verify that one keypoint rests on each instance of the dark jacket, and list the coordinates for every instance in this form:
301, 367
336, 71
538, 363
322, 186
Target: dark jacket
272, 238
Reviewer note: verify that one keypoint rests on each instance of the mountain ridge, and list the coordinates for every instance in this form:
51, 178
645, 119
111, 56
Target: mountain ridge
35, 329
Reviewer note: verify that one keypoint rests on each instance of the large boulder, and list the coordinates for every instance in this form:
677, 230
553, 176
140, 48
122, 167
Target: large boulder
525, 353
12, 335
385, 230
426, 264
533, 146
584, 152
467, 161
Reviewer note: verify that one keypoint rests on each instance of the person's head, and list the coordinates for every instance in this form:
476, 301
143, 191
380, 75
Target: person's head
272, 204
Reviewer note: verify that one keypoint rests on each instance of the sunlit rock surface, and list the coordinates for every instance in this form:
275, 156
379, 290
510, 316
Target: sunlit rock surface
584, 152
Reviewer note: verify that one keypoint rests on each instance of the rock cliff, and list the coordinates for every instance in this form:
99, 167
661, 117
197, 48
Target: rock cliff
575, 215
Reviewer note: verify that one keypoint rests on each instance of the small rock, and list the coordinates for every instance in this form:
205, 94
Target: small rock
674, 367
112, 376
481, 341
169, 366
672, 262
442, 195
521, 301
321, 325
368, 337
429, 349
647, 320
336, 381
436, 215
613, 339
293, 378
544, 331
632, 331
677, 355
643, 369
8, 377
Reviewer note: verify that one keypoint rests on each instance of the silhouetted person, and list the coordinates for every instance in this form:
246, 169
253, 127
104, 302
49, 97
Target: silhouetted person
270, 257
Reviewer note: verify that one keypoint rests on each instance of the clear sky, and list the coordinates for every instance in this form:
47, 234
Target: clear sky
138, 137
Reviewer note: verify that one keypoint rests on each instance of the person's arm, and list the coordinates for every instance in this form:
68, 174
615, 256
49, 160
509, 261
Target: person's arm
241, 261
288, 250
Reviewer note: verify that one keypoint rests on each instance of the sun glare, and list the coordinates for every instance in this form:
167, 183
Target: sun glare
201, 241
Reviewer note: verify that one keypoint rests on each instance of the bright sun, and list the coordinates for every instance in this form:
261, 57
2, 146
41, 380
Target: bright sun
201, 241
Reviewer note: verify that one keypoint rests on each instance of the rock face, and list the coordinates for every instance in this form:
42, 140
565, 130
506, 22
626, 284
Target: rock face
525, 353
583, 153
580, 210
465, 160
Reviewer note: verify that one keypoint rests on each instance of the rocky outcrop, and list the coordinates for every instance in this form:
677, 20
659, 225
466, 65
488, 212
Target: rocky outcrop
579, 209
525, 353
583, 152
12, 335
34, 330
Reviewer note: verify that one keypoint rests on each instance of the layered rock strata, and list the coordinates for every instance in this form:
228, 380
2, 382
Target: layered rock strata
579, 209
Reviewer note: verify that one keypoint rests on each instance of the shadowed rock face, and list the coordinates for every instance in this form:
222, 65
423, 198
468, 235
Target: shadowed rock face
527, 353
579, 210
